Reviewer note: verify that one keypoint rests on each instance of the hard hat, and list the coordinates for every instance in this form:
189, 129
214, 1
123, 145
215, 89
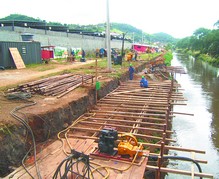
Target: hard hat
142, 76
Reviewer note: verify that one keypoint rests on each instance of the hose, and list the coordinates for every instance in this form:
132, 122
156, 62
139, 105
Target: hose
21, 120
179, 158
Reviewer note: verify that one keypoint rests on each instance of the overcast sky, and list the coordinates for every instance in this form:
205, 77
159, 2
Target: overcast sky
179, 18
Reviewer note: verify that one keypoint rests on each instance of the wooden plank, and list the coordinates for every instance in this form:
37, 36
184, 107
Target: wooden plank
121, 170
81, 146
126, 116
19, 63
48, 164
180, 172
126, 126
53, 149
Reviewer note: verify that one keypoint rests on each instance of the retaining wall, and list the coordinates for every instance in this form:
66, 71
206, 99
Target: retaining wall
62, 39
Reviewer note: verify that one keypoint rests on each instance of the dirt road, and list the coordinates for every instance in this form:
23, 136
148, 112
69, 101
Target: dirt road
14, 77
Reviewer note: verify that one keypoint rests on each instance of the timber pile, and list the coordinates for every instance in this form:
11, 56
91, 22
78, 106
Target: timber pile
54, 86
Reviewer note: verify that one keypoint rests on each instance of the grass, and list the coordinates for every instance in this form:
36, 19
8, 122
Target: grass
40, 67
5, 130
149, 56
168, 58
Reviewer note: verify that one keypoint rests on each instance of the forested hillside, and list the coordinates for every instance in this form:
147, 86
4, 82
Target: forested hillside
130, 31
203, 44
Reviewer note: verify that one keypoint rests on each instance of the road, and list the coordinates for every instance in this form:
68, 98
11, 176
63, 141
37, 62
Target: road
14, 76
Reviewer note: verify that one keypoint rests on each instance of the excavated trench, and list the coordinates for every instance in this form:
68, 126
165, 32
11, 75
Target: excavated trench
45, 124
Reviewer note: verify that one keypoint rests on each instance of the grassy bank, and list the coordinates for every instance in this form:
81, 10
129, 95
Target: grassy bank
204, 57
168, 58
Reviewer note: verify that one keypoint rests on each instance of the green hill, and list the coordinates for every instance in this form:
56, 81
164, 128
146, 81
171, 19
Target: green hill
20, 17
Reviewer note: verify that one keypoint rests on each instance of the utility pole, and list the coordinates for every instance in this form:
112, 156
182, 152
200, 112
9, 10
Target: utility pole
108, 40
123, 38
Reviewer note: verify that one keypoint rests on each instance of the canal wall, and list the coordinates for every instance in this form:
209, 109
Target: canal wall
60, 39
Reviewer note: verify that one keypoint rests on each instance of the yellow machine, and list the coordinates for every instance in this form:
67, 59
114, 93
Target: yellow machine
129, 146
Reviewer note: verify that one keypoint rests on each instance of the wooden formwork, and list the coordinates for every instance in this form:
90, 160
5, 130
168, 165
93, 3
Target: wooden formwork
144, 112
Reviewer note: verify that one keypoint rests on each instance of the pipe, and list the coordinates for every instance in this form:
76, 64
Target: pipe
179, 158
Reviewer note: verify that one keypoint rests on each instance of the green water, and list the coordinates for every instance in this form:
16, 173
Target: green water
201, 131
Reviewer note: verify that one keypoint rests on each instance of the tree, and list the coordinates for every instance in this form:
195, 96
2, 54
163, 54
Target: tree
183, 43
213, 43
217, 24
201, 32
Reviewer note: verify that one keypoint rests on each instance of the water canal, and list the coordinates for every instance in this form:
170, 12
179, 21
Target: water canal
201, 131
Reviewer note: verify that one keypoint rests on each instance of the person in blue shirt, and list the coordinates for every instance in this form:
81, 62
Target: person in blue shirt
143, 82
101, 53
131, 71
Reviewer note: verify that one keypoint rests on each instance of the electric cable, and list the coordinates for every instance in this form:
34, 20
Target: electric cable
21, 120
72, 160
47, 124
67, 129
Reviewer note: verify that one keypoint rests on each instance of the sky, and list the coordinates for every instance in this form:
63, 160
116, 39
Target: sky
179, 18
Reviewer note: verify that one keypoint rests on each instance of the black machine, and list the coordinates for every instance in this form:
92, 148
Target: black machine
107, 139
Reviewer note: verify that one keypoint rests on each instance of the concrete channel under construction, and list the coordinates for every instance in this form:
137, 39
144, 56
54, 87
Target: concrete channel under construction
137, 114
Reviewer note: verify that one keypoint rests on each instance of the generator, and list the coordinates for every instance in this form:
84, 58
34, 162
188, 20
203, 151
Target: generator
128, 145
107, 139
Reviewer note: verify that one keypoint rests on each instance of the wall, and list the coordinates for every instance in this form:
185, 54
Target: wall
62, 39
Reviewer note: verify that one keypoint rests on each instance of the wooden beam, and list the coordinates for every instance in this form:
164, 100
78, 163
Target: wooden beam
130, 113
141, 109
131, 106
180, 172
137, 135
125, 121
173, 148
124, 126
128, 116
151, 103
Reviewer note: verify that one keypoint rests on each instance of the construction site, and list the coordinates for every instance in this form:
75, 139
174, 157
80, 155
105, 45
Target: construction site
95, 125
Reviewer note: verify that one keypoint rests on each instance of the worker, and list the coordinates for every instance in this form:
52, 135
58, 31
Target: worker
131, 71
101, 53
72, 57
129, 56
143, 82
136, 56
83, 56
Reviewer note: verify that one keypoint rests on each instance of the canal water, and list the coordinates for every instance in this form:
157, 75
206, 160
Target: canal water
201, 88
